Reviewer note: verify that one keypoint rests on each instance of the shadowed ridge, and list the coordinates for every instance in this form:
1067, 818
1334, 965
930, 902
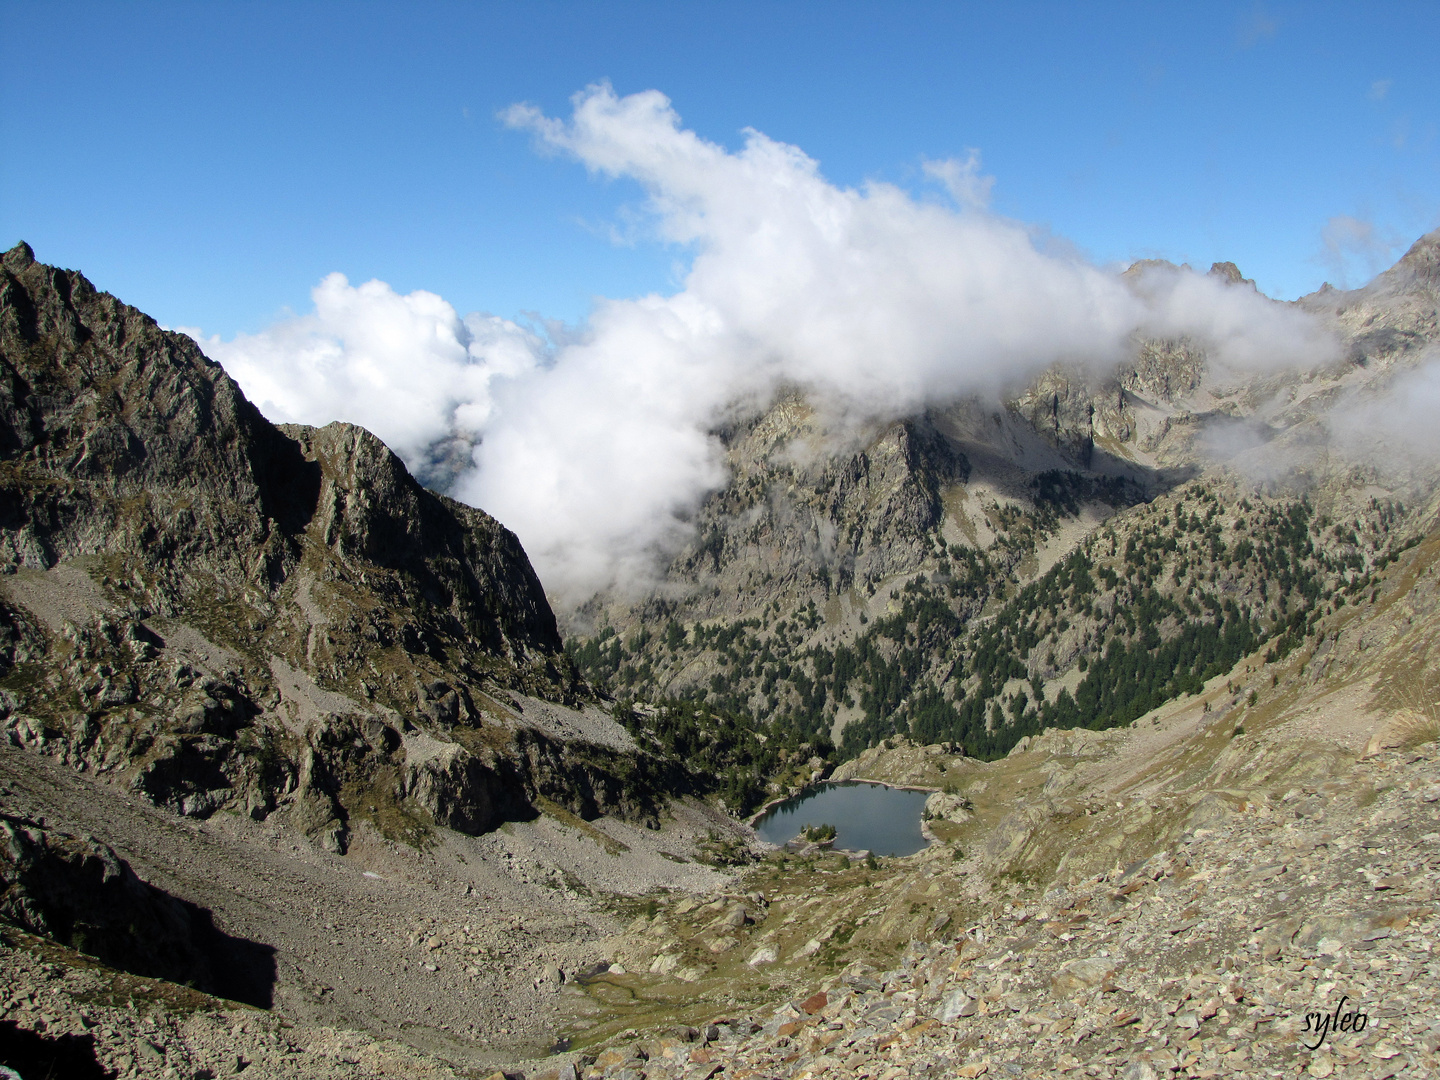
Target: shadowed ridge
120, 436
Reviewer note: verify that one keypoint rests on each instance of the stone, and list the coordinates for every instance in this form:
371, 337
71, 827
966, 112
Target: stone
947, 807
765, 954
814, 1003
610, 1057
1075, 975
955, 1005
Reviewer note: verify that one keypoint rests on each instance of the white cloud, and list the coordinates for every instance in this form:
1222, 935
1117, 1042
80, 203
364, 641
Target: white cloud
1393, 426
406, 367
874, 302
1242, 330
963, 179
1352, 244
1379, 88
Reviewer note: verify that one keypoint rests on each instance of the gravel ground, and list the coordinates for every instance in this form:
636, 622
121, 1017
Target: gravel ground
462, 950
1207, 959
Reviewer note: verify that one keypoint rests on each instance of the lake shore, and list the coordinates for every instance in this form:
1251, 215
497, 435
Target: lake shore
755, 818
880, 817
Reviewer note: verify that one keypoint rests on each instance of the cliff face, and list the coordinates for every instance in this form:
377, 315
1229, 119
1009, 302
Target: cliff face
899, 580
227, 613
811, 512
118, 438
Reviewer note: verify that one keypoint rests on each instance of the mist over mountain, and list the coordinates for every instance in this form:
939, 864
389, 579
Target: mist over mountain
975, 571
312, 733
598, 447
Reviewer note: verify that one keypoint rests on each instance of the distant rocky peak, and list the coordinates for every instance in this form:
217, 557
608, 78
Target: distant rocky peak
1141, 267
1225, 271
1230, 273
1422, 262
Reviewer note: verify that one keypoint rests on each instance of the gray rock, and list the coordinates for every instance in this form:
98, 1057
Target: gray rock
307, 551
1075, 975
955, 1005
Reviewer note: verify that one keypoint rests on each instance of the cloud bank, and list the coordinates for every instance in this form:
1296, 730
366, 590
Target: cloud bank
872, 301
406, 367
1393, 425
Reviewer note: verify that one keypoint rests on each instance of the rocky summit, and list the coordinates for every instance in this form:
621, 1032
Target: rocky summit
299, 778
232, 615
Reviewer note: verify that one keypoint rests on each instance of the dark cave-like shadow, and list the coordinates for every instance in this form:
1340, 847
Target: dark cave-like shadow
43, 1057
240, 969
81, 894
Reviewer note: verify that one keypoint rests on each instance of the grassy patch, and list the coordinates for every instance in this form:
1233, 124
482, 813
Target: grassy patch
373, 800
565, 817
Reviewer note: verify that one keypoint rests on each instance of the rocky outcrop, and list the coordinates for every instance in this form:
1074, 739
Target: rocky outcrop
220, 612
1164, 370
801, 521
1395, 314
121, 438
1074, 413
811, 512
424, 552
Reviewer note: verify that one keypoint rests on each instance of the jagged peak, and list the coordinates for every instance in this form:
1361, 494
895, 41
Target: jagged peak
1141, 267
1230, 273
1225, 271
1423, 259
19, 257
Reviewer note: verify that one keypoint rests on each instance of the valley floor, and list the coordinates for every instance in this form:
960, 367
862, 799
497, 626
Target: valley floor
462, 949
1204, 959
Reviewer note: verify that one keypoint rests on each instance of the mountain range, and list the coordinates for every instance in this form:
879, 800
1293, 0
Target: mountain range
301, 772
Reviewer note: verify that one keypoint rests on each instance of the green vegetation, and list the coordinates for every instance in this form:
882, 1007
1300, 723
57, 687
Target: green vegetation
724, 851
711, 752
1146, 609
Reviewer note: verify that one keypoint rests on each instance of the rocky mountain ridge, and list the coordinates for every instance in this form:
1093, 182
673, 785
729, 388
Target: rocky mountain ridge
312, 726
245, 616
781, 610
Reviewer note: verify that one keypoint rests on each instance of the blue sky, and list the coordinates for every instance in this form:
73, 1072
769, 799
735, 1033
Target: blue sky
211, 162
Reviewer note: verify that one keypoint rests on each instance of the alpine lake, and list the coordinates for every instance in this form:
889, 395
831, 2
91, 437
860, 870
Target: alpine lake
867, 817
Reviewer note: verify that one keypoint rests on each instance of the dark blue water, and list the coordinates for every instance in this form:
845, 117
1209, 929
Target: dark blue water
866, 817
